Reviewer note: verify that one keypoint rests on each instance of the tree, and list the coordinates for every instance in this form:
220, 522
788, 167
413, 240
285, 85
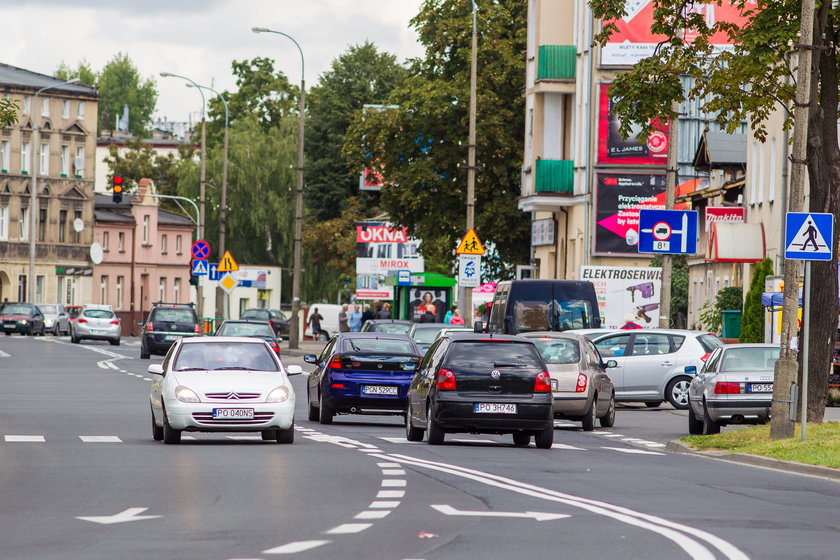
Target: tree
119, 85
8, 112
750, 82
362, 75
752, 321
139, 160
420, 148
87, 75
331, 246
679, 289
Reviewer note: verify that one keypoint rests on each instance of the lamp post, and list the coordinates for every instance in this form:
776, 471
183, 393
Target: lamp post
294, 326
33, 196
202, 182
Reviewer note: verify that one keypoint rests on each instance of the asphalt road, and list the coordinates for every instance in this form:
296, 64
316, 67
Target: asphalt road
81, 477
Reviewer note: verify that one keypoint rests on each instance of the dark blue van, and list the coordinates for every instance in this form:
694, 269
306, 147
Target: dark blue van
543, 305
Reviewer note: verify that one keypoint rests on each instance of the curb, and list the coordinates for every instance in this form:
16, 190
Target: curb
676, 446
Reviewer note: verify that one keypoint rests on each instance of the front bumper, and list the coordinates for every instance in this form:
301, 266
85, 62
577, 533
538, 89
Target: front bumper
17, 327
197, 417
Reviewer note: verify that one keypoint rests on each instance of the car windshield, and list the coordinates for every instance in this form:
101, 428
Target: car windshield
246, 329
749, 359
17, 310
378, 346
489, 355
558, 350
74, 311
390, 328
709, 342
426, 336
255, 314
48, 309
98, 313
212, 356
174, 316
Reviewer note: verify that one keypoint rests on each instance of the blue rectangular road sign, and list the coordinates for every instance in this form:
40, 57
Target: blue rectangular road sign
213, 273
809, 236
670, 232
199, 267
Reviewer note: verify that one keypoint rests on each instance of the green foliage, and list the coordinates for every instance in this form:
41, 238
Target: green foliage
730, 299
8, 112
120, 84
727, 299
331, 249
752, 320
86, 74
679, 288
421, 148
139, 160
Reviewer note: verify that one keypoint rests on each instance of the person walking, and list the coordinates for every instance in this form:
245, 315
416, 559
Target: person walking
456, 318
343, 317
449, 313
385, 312
315, 325
355, 319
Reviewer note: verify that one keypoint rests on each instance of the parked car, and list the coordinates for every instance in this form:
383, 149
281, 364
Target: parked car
651, 363
583, 391
735, 386
73, 312
392, 326
361, 373
167, 323
453, 330
480, 384
56, 319
279, 321
222, 384
96, 322
424, 334
23, 318
255, 329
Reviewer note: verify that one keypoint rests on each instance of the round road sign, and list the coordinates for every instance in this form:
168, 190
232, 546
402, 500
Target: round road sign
200, 250
662, 231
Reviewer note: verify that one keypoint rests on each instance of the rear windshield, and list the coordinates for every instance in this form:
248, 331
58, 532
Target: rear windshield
470, 355
558, 350
390, 328
426, 336
74, 311
173, 315
98, 313
379, 346
225, 356
255, 314
17, 310
536, 315
246, 329
749, 359
51, 309
709, 342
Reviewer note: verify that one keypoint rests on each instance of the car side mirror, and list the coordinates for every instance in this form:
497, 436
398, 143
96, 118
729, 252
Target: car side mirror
611, 364
155, 369
310, 359
478, 327
691, 370
294, 370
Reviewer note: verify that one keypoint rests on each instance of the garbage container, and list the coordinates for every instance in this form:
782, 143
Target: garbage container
731, 323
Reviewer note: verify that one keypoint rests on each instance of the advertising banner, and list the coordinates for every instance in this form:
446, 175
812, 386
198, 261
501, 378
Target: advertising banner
614, 149
619, 196
427, 300
381, 251
623, 291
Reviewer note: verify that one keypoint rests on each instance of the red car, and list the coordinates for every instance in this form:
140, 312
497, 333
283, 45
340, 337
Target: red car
23, 318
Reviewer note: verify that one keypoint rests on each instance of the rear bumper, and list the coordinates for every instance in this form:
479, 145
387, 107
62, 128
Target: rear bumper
105, 334
460, 416
752, 411
342, 399
156, 342
566, 405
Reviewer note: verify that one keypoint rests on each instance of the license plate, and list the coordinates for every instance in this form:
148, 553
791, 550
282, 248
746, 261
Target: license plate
759, 387
553, 384
495, 408
379, 390
172, 337
233, 413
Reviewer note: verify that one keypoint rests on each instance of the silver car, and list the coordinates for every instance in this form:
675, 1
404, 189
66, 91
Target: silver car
734, 387
651, 363
96, 322
56, 319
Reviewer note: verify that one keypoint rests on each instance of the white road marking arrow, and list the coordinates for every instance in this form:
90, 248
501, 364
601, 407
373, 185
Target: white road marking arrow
131, 514
536, 515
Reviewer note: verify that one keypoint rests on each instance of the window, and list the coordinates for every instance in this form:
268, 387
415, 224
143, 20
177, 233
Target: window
42, 224
651, 344
62, 225
5, 155
45, 107
121, 242
163, 245
79, 163
103, 290
81, 112
178, 244
176, 289
65, 160
613, 346
27, 104
44, 161
163, 289
146, 229
65, 109
77, 235
24, 157
23, 224
39, 289
120, 281
105, 237
4, 223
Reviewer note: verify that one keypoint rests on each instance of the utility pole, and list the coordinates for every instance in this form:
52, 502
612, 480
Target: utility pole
787, 367
466, 298
670, 188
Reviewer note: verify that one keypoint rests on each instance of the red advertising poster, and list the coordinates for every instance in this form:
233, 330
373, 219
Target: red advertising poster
634, 40
614, 149
724, 214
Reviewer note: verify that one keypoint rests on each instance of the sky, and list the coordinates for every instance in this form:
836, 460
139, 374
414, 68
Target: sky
200, 38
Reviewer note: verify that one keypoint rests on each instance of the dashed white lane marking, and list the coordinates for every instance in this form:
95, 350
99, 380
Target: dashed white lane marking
390, 494
393, 472
398, 440
25, 439
633, 439
295, 547
658, 445
3, 354
634, 451
100, 439
564, 446
383, 505
348, 528
474, 440
373, 514
389, 465
393, 483
613, 435
245, 438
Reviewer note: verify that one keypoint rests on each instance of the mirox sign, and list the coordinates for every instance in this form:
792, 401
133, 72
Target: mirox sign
383, 250
614, 149
724, 214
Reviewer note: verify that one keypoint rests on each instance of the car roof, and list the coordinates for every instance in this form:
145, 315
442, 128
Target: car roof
430, 325
552, 334
398, 321
215, 339
684, 332
248, 321
396, 336
98, 306
484, 337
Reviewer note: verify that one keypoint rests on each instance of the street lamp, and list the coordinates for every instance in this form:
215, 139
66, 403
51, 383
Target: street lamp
33, 196
201, 199
294, 328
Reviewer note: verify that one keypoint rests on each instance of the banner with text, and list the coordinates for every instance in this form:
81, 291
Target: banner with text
381, 251
625, 291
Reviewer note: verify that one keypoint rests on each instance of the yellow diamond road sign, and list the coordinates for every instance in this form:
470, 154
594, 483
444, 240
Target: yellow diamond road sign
228, 282
470, 245
227, 264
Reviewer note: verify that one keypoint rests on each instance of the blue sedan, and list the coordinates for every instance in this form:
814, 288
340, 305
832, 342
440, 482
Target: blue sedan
361, 373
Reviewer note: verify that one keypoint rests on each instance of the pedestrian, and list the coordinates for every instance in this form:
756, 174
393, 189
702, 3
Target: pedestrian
367, 315
427, 317
343, 317
315, 319
355, 319
449, 313
385, 312
630, 322
376, 307
456, 318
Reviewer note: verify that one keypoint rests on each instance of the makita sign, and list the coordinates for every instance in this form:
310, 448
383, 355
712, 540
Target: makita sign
381, 234
724, 214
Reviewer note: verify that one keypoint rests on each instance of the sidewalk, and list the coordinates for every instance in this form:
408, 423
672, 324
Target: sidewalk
304, 347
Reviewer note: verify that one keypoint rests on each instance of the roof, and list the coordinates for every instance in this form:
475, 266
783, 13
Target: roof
26, 79
172, 219
111, 217
719, 149
106, 210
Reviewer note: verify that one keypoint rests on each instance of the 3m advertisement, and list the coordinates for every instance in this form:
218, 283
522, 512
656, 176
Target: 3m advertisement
634, 40
619, 196
623, 291
381, 251
614, 149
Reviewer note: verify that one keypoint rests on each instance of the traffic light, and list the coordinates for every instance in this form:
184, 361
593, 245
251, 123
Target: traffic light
117, 183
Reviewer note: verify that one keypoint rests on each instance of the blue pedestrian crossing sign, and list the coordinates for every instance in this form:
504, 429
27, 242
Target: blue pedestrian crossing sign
199, 267
809, 236
670, 232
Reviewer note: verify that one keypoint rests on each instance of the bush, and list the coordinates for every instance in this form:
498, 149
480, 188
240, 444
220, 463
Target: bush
727, 299
752, 320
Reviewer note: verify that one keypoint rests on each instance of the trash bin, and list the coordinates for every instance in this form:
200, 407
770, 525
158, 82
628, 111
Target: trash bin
731, 323
208, 326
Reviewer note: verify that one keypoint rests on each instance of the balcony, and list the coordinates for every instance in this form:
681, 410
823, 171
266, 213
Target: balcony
556, 62
555, 175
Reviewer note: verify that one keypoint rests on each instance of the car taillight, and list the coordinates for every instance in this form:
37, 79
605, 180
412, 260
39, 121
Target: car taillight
542, 383
335, 362
705, 356
197, 330
81, 320
727, 388
275, 347
580, 387
150, 327
446, 380
115, 322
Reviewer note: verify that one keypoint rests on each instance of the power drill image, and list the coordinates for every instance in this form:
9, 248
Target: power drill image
645, 288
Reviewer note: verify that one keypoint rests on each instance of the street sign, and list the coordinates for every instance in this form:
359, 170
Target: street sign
213, 273
809, 236
228, 282
671, 232
403, 278
470, 244
200, 249
469, 271
227, 264
199, 267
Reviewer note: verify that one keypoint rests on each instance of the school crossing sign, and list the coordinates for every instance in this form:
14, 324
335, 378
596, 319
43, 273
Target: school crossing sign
809, 236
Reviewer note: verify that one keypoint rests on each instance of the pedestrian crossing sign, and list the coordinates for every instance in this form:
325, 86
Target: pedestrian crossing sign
227, 264
809, 236
470, 245
199, 267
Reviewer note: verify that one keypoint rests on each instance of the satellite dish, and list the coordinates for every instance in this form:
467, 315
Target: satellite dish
78, 225
96, 253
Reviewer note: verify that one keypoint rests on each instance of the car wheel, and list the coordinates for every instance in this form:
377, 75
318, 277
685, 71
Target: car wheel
653, 404
522, 439
74, 339
157, 431
435, 433
608, 419
312, 409
325, 413
412, 433
677, 392
144, 354
588, 419
709, 426
286, 436
114, 341
545, 438
43, 331
55, 331
695, 425
268, 435
170, 434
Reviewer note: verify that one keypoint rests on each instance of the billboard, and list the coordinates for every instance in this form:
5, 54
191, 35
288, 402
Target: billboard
625, 291
614, 149
634, 40
383, 250
731, 214
618, 198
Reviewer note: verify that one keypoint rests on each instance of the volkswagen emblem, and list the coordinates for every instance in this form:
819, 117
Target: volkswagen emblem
380, 366
174, 327
495, 374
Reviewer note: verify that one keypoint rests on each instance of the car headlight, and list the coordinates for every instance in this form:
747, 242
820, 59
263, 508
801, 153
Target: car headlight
23, 321
185, 394
280, 394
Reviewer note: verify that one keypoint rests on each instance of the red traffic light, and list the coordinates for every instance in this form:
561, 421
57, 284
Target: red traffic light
118, 186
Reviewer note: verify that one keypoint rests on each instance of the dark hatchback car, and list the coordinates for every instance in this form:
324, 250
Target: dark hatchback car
167, 322
361, 373
392, 326
251, 329
23, 318
279, 321
481, 384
